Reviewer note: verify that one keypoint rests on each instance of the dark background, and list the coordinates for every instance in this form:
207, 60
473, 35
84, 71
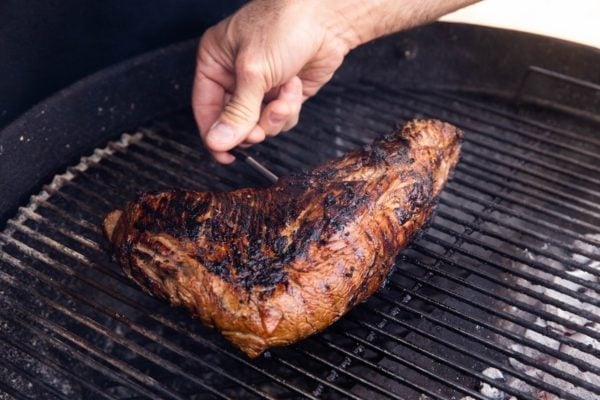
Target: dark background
46, 45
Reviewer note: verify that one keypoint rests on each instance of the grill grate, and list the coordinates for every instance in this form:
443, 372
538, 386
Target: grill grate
498, 298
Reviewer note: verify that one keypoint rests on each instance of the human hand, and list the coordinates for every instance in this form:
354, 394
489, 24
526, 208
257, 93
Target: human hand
255, 68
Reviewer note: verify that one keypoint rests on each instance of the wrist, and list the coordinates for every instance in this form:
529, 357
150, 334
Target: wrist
359, 21
352, 21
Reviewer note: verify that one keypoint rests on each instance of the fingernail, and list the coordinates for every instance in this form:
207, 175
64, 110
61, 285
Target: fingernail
220, 134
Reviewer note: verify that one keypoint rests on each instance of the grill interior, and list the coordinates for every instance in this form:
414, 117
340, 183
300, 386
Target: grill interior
498, 297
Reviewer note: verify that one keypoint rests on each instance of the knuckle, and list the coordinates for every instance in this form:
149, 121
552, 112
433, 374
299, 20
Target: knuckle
250, 68
204, 44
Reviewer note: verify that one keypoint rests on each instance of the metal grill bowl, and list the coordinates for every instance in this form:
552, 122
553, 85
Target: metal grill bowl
498, 297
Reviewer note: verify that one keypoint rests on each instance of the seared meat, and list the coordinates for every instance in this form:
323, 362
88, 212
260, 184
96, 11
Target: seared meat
268, 267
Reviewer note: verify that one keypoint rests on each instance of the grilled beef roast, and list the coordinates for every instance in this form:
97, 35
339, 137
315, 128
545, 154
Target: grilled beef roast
268, 267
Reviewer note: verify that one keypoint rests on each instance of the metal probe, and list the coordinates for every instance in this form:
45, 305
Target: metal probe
257, 166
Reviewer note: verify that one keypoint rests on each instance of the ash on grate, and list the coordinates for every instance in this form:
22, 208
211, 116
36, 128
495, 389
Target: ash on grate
553, 326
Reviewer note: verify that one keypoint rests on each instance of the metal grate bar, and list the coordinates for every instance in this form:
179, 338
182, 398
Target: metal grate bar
190, 156
504, 179
518, 288
541, 252
533, 184
80, 206
42, 202
33, 216
8, 390
359, 349
442, 360
524, 275
453, 205
518, 118
34, 380
181, 151
159, 155
102, 288
358, 96
33, 353
293, 139
130, 345
390, 374
582, 365
537, 264
355, 377
524, 170
86, 357
524, 261
516, 303
151, 164
492, 122
163, 342
506, 316
508, 352
477, 142
482, 189
314, 377
437, 267
529, 205
135, 168
88, 193
223, 183
487, 205
473, 138
55, 264
95, 247
274, 155
463, 350
82, 343
77, 256
431, 355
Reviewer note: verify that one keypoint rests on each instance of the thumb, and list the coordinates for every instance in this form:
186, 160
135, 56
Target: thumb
240, 115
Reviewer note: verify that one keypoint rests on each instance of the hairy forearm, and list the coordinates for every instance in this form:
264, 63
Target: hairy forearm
360, 21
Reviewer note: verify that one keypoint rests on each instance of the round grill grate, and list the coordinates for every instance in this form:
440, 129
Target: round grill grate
499, 296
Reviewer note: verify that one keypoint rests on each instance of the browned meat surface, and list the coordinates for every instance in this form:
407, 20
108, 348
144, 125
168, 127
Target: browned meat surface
268, 267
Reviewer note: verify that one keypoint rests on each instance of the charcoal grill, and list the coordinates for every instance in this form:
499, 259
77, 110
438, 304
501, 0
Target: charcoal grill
498, 297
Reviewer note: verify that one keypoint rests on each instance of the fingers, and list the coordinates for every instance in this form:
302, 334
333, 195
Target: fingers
282, 113
240, 115
208, 99
257, 135
228, 104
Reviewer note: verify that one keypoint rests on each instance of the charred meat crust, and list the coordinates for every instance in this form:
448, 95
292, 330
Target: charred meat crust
270, 266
